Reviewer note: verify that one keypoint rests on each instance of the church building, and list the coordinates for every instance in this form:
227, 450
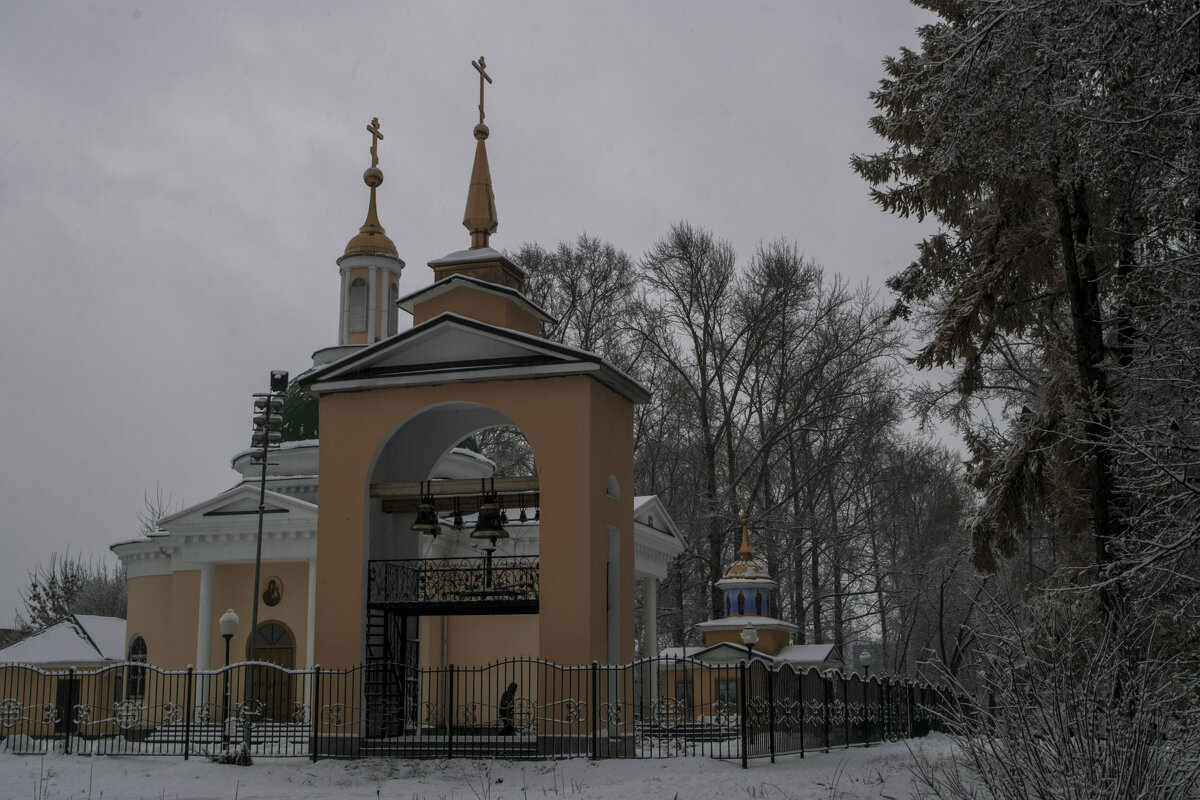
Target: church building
386, 539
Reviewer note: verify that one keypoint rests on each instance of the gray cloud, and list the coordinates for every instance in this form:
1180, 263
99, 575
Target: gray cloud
176, 181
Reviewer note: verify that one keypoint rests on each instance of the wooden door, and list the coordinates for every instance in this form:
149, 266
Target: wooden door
275, 688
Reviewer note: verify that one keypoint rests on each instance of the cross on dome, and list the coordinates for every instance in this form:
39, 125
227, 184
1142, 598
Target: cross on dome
481, 66
373, 129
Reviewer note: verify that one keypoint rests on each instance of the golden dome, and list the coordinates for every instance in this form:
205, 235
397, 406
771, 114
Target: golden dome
747, 565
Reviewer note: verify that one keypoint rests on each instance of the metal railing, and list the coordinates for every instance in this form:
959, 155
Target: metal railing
501, 585
522, 708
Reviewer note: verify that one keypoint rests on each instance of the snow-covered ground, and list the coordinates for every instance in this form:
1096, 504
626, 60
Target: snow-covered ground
877, 771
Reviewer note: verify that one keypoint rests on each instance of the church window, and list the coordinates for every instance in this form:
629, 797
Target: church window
272, 634
135, 676
358, 306
393, 296
612, 488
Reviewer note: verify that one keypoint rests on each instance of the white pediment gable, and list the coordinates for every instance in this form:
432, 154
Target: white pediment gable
444, 342
240, 502
454, 343
451, 347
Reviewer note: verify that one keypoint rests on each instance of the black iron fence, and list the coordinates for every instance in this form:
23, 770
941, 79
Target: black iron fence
521, 708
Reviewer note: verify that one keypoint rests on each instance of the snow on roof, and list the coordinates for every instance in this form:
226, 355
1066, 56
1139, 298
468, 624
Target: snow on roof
78, 639
738, 622
808, 654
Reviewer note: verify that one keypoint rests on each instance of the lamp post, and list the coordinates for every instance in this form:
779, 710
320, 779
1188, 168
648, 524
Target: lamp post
865, 658
228, 625
268, 434
749, 638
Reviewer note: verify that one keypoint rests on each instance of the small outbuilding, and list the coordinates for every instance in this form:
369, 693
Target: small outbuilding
79, 640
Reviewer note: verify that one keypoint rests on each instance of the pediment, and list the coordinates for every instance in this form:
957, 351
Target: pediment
239, 502
452, 347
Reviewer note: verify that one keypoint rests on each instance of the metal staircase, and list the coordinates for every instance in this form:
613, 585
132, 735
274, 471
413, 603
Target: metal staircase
389, 675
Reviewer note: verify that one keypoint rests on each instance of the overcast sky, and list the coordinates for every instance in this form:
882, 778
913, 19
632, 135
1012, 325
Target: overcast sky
177, 180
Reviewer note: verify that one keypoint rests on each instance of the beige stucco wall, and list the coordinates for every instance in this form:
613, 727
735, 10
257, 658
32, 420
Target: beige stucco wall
477, 640
769, 641
580, 433
151, 614
479, 305
232, 585
164, 610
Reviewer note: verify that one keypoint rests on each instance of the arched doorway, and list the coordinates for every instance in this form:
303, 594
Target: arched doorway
274, 643
414, 580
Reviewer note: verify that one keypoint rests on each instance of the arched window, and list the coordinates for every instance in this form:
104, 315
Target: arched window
358, 306
393, 296
612, 488
272, 634
135, 677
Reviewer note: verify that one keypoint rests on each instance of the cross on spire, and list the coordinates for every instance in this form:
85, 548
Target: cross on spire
480, 66
373, 129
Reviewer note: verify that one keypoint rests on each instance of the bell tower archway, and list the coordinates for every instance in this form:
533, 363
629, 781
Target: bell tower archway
381, 424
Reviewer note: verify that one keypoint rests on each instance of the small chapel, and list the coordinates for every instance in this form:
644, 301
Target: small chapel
386, 539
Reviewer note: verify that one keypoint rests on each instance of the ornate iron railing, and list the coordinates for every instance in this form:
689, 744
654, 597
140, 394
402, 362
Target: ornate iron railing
520, 708
481, 585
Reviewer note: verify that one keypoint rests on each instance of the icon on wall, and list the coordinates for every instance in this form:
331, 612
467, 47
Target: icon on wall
274, 591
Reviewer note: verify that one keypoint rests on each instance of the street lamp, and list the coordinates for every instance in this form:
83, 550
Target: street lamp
749, 638
268, 434
228, 625
865, 659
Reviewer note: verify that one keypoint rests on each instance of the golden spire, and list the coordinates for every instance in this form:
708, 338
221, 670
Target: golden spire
746, 551
371, 238
480, 216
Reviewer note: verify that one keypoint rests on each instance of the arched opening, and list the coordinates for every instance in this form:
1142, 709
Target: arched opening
612, 488
393, 296
358, 306
456, 454
427, 440
274, 688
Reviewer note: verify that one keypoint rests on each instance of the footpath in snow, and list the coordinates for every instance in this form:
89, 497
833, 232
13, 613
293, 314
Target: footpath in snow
871, 772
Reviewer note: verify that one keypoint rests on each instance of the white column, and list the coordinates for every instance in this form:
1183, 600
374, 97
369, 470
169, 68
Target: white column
650, 616
204, 629
311, 627
344, 326
372, 303
204, 618
310, 630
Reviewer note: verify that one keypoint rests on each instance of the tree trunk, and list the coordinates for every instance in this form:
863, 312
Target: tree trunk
1074, 228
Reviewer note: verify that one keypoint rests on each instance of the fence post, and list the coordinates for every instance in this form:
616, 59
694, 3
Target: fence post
70, 720
187, 725
742, 713
825, 696
450, 712
909, 694
885, 708
595, 710
314, 701
803, 709
846, 708
866, 716
771, 709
